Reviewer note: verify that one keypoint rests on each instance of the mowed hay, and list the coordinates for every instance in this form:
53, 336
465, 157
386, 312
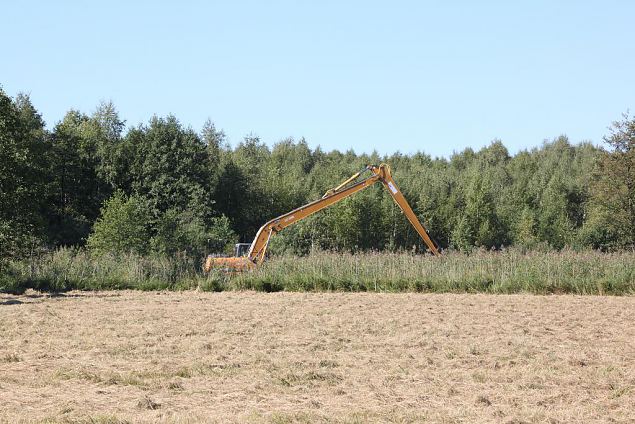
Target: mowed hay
130, 356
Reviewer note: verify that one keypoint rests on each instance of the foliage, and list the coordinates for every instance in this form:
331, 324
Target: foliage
611, 223
22, 176
170, 168
181, 192
122, 227
183, 233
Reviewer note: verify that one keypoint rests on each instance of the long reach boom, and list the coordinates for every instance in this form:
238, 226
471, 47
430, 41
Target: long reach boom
258, 248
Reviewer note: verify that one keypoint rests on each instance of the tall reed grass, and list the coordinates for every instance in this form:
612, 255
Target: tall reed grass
72, 269
509, 271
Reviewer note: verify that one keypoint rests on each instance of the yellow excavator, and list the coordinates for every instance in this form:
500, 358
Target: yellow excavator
257, 249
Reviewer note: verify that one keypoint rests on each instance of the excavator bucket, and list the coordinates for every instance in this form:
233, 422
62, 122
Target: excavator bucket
228, 264
239, 262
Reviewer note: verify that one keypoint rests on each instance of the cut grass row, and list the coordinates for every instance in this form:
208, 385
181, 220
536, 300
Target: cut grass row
508, 271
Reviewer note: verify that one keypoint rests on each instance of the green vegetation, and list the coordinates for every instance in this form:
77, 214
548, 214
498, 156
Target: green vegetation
92, 204
507, 271
69, 269
162, 188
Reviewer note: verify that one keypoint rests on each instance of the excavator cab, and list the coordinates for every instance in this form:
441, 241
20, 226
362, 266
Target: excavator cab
242, 249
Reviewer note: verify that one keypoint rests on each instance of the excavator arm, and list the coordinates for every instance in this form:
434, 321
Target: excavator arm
349, 187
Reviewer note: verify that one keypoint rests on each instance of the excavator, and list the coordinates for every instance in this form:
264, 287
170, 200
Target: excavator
257, 249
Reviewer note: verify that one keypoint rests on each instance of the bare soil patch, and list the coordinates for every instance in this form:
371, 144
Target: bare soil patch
338, 357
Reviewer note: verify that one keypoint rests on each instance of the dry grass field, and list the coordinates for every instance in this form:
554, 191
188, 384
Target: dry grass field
127, 356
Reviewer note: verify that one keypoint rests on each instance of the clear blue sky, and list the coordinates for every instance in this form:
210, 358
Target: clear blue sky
430, 76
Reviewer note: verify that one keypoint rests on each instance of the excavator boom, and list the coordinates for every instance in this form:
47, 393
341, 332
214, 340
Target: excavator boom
258, 248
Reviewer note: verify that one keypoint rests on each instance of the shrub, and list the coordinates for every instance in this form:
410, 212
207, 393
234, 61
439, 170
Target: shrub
123, 226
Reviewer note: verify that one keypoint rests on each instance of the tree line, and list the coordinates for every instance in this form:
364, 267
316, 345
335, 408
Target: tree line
164, 188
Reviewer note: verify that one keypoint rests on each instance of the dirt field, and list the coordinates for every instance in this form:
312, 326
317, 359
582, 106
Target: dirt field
287, 357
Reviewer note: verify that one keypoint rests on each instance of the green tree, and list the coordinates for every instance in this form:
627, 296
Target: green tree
76, 190
234, 197
242, 190
106, 128
214, 139
479, 224
22, 176
123, 227
439, 199
611, 223
171, 168
525, 229
554, 225
463, 235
